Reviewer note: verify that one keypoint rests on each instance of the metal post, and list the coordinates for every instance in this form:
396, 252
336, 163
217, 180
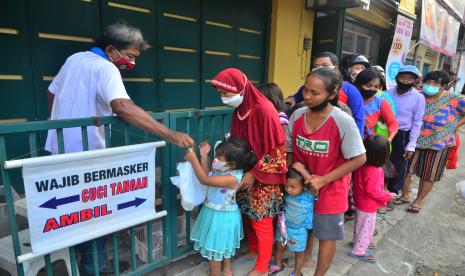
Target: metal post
340, 30
415, 53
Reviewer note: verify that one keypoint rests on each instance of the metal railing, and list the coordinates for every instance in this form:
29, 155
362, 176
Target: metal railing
202, 125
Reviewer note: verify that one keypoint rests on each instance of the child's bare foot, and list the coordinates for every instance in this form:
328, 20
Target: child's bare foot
227, 273
250, 256
254, 272
308, 263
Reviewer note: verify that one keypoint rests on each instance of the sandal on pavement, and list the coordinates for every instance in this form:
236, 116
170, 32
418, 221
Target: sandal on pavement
390, 206
400, 201
275, 269
381, 210
367, 257
370, 246
348, 218
301, 274
414, 209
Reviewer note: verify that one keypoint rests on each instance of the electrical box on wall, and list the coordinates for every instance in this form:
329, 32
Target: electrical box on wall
307, 43
366, 4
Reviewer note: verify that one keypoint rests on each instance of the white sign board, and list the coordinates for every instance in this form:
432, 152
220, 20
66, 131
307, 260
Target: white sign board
399, 49
72, 198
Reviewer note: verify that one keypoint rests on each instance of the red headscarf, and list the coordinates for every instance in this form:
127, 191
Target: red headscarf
255, 120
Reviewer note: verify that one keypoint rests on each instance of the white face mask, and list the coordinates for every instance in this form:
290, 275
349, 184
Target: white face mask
233, 101
218, 165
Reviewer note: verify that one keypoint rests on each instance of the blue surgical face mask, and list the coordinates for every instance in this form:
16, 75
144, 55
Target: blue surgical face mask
430, 90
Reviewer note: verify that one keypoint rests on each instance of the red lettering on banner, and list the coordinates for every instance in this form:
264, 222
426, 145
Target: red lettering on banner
105, 211
70, 219
86, 214
91, 194
96, 212
129, 185
51, 224
76, 217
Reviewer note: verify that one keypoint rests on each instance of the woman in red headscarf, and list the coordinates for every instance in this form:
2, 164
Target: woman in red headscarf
256, 121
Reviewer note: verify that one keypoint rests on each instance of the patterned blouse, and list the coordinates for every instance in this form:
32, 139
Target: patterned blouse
440, 120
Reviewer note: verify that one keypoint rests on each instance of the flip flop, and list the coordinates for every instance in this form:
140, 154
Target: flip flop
381, 210
400, 201
390, 206
275, 269
370, 246
413, 209
348, 218
368, 257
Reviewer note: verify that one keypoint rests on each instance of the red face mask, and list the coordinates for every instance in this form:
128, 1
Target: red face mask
124, 64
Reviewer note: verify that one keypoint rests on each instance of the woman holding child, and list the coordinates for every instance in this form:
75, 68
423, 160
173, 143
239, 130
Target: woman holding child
327, 142
256, 120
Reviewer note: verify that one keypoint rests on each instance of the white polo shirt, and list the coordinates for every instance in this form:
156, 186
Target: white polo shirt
84, 87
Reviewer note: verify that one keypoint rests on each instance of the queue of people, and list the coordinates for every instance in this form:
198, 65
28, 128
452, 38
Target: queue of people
284, 178
326, 154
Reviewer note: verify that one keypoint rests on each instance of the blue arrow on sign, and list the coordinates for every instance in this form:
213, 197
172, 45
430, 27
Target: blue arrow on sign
54, 202
136, 202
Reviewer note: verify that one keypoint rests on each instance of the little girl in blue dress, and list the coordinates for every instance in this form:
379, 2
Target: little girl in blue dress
217, 232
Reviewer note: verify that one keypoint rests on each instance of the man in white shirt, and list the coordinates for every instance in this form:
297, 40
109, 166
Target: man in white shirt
89, 84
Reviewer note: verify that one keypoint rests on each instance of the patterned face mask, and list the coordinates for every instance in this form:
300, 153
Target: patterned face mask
124, 64
218, 165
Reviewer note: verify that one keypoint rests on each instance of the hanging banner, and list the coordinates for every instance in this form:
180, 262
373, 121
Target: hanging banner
399, 49
457, 6
72, 198
439, 29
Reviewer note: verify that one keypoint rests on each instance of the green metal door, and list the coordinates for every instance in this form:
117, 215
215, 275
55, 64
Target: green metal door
58, 29
141, 82
16, 84
179, 54
328, 32
190, 42
233, 35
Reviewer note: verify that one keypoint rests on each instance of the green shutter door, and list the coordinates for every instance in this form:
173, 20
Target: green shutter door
58, 29
140, 83
218, 45
233, 35
191, 41
178, 57
15, 75
250, 42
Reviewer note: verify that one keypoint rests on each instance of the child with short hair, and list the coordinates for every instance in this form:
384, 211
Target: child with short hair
217, 231
298, 214
369, 194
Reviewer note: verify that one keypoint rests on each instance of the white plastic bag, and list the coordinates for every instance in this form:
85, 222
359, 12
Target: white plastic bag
193, 193
461, 189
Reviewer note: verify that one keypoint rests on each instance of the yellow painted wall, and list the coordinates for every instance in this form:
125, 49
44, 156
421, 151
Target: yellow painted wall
375, 16
288, 62
408, 6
